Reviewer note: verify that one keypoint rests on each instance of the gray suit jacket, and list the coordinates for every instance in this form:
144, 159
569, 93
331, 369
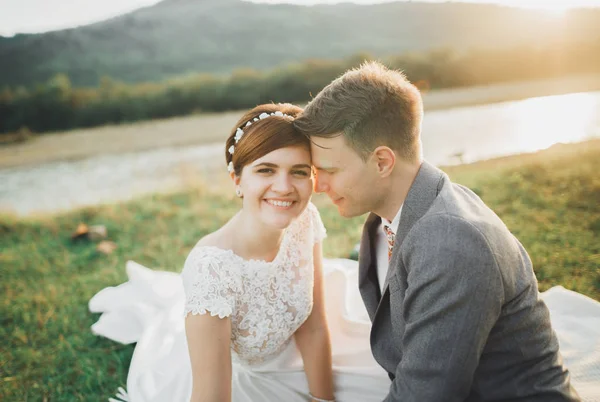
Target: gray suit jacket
460, 318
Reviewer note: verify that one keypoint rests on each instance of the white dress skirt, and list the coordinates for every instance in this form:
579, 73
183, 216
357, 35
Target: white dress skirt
148, 310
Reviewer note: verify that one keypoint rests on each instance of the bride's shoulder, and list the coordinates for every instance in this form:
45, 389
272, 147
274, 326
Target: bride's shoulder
210, 266
211, 278
213, 250
219, 239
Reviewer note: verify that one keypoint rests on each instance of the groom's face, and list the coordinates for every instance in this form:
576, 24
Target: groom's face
343, 176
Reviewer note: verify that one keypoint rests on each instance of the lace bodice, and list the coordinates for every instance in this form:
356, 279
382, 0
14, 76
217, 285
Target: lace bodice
266, 301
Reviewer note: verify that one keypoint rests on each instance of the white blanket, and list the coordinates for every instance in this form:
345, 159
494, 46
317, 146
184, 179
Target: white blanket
576, 320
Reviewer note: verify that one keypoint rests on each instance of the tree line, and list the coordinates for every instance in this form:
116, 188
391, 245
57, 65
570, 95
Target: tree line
57, 105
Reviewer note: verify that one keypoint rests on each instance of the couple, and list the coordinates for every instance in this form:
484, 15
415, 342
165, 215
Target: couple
451, 306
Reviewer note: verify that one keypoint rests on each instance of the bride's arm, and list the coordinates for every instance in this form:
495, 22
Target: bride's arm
208, 339
313, 341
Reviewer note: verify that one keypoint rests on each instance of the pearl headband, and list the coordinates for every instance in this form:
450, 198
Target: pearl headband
239, 132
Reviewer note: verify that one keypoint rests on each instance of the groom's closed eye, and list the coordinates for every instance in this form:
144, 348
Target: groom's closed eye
326, 170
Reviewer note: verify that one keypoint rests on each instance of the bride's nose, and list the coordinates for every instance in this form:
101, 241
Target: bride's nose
282, 184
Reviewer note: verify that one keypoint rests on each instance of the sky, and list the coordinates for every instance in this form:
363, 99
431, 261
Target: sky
28, 16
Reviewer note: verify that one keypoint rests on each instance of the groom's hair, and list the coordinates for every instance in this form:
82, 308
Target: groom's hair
371, 106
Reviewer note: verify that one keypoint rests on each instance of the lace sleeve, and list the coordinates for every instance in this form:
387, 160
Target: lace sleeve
208, 285
318, 229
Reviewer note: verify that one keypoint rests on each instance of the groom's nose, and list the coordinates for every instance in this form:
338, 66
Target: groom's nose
320, 185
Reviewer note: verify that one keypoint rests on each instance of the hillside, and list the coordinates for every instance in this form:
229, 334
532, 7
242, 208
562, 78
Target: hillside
176, 37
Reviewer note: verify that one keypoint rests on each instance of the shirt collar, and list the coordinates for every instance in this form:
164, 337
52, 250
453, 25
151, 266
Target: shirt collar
394, 223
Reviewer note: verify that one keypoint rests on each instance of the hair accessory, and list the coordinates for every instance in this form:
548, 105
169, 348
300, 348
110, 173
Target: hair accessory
230, 167
239, 132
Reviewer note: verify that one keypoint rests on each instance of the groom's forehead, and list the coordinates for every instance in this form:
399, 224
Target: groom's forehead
332, 145
325, 155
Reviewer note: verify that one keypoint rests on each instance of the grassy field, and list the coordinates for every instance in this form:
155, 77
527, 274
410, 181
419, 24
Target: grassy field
550, 201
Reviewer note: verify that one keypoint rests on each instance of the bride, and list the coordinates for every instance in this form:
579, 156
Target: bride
254, 325
257, 314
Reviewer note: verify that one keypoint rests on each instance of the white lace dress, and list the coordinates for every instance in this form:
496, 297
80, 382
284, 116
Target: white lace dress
266, 302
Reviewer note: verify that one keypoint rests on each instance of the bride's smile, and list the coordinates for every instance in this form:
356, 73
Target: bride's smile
280, 204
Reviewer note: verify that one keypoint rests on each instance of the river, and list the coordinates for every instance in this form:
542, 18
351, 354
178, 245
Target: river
450, 136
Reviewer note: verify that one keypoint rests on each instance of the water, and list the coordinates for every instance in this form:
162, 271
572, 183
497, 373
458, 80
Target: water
59, 186
487, 131
449, 136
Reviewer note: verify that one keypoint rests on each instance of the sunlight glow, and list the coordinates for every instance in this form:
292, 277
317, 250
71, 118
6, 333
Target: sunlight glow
553, 6
556, 7
554, 11
543, 122
488, 131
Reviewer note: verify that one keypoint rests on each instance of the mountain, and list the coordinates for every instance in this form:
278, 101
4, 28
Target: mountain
176, 37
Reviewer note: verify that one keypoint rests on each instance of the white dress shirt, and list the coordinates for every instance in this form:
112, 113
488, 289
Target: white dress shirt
381, 247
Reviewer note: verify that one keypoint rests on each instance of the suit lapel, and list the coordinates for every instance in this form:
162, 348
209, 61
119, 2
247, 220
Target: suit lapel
422, 193
367, 264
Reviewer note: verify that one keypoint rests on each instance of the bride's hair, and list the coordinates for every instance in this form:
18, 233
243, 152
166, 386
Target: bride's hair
263, 135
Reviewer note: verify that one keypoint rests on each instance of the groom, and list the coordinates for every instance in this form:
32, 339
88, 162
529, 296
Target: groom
451, 293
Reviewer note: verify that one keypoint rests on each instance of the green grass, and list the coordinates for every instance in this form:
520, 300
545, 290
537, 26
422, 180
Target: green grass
550, 200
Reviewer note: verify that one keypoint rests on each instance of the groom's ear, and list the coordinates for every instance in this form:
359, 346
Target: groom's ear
385, 160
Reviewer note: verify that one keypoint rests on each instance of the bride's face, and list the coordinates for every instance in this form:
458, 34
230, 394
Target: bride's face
278, 186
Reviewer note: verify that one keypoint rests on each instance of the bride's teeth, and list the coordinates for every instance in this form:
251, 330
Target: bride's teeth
280, 203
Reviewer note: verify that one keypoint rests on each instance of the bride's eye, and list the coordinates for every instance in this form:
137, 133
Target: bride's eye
265, 170
302, 173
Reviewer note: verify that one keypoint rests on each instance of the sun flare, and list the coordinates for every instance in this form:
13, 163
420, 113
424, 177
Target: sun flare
555, 8
545, 121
